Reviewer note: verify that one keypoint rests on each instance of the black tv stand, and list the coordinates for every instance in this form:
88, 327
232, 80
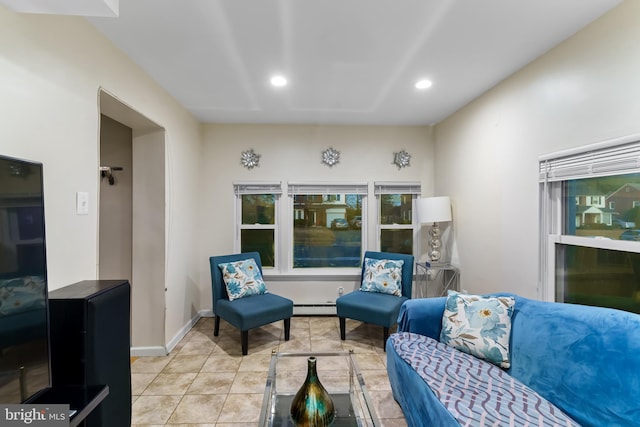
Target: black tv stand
82, 399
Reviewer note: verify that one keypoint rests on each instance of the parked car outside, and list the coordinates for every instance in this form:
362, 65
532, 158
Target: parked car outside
621, 223
339, 224
356, 222
630, 235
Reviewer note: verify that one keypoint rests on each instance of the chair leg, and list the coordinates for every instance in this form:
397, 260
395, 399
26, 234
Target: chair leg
244, 339
343, 328
385, 335
216, 327
287, 328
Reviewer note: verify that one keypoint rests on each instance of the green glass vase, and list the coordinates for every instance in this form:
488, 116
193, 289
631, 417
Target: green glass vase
312, 405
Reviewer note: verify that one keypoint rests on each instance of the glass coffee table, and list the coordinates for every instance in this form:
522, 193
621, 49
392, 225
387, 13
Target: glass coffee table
339, 374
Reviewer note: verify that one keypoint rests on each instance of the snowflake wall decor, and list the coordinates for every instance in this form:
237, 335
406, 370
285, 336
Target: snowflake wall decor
249, 159
401, 159
330, 157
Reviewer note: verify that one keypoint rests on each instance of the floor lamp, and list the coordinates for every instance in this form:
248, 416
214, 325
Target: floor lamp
432, 210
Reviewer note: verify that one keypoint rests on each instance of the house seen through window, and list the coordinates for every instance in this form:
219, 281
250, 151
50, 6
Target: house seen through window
327, 230
591, 226
601, 208
323, 225
327, 227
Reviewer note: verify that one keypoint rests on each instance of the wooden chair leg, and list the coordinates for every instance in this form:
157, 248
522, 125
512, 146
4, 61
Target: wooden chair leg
385, 335
287, 328
343, 328
216, 327
244, 339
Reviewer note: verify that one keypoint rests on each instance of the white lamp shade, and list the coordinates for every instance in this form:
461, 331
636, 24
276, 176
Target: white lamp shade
434, 209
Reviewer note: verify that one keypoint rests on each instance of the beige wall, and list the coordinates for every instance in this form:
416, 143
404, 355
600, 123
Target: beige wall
294, 153
51, 70
115, 216
583, 91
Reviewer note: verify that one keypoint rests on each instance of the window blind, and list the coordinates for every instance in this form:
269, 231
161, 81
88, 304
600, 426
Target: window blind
601, 160
241, 188
397, 188
327, 188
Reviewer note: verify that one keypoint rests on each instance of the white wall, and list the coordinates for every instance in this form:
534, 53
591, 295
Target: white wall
294, 153
51, 69
585, 90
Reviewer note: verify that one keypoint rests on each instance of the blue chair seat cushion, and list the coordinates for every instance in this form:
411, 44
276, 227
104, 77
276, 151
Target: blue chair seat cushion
370, 307
254, 311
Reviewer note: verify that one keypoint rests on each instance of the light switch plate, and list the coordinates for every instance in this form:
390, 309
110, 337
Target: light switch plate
82, 203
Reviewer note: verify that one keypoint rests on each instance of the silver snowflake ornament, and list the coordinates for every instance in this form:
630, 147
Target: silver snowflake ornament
330, 157
249, 159
401, 159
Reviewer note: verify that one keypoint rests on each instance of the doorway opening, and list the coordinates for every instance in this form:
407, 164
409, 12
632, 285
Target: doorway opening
131, 230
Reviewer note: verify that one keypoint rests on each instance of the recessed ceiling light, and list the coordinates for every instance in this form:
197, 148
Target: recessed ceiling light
423, 84
278, 81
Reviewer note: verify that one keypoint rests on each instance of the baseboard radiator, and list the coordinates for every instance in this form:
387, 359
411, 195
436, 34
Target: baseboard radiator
315, 309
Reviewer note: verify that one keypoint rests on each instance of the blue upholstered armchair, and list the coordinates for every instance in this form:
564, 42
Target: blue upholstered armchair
250, 311
376, 307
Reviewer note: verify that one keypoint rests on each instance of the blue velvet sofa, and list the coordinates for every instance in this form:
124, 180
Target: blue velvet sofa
584, 361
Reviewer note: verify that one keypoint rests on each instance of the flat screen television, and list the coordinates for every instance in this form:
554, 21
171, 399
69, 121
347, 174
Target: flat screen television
25, 367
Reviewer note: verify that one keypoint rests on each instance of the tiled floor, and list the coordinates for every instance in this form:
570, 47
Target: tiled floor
206, 381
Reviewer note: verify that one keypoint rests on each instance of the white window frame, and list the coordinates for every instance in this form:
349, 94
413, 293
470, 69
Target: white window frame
408, 187
256, 188
617, 156
320, 188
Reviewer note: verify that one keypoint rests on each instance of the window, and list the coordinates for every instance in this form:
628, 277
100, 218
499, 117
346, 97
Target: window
257, 206
590, 225
396, 223
327, 225
323, 227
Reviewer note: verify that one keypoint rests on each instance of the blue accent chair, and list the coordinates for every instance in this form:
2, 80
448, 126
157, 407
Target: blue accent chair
376, 308
248, 312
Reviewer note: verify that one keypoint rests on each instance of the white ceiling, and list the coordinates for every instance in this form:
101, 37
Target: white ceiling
347, 61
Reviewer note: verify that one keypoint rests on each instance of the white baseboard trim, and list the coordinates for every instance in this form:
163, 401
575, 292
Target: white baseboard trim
163, 351
148, 351
183, 331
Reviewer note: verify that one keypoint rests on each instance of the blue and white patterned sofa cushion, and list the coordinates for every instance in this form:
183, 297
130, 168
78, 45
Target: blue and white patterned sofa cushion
383, 276
475, 392
20, 294
242, 279
479, 325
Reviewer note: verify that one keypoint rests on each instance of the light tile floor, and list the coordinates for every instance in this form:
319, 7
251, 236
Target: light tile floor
205, 381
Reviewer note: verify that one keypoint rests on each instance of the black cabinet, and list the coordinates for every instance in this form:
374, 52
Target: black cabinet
90, 344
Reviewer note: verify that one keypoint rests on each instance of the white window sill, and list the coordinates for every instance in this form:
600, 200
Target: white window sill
311, 276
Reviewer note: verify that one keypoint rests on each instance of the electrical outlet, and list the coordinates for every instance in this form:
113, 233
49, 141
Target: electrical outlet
340, 291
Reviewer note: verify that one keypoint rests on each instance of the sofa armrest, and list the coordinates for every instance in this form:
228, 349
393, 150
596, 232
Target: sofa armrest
422, 316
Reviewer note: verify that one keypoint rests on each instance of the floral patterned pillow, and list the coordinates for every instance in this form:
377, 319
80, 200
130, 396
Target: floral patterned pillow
242, 279
478, 325
383, 276
21, 294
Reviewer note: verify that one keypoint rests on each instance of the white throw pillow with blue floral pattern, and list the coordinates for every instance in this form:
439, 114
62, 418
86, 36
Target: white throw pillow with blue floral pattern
383, 276
23, 293
242, 279
479, 325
